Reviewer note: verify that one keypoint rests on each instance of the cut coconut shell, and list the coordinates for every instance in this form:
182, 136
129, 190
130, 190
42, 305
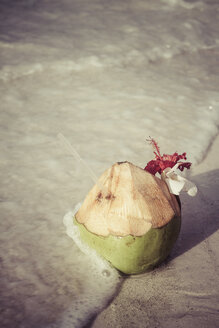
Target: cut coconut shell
127, 200
134, 255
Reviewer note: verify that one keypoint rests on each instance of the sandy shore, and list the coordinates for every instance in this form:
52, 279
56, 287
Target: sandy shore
183, 292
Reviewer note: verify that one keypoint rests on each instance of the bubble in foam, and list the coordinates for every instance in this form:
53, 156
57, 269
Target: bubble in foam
106, 273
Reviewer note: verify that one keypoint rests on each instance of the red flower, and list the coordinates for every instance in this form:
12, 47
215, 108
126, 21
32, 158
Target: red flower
160, 163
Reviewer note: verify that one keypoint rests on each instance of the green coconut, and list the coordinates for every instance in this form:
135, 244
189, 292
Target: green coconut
134, 255
130, 218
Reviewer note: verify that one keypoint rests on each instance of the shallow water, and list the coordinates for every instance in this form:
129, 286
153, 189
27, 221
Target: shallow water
106, 74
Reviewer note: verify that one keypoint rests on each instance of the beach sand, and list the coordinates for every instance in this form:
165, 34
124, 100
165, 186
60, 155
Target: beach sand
183, 292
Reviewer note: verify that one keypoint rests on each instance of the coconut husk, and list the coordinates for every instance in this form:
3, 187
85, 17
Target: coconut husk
127, 200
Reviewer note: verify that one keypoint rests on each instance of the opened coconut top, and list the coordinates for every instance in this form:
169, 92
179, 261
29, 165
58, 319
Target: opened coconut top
127, 200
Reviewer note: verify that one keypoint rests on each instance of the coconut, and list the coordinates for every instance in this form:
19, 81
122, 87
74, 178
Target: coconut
130, 218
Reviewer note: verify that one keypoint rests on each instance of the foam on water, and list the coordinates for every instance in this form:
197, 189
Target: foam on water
100, 286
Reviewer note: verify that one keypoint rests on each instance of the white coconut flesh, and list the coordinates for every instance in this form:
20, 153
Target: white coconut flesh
127, 200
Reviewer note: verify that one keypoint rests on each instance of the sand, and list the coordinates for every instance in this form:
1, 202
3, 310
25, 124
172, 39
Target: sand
183, 292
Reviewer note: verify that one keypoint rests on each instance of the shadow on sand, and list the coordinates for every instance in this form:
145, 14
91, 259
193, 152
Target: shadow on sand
200, 218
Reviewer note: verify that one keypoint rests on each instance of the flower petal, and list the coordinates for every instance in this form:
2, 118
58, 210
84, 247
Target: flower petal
176, 183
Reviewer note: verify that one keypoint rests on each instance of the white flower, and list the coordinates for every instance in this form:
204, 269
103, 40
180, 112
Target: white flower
176, 183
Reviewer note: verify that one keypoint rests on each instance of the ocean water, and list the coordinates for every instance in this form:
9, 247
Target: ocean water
107, 75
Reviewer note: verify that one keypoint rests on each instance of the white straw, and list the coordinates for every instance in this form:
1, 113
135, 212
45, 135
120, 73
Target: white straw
74, 152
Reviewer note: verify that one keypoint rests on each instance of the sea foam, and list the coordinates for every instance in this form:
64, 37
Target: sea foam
100, 286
